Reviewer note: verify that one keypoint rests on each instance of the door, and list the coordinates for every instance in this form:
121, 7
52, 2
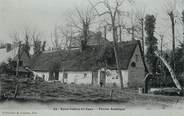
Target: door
51, 75
102, 78
57, 75
65, 77
94, 78
125, 81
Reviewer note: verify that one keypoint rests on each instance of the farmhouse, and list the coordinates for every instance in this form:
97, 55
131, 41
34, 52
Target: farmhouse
93, 65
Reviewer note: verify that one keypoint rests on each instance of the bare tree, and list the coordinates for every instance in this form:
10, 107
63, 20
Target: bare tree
69, 36
62, 37
22, 42
23, 36
112, 13
55, 38
140, 15
81, 20
15, 36
171, 12
29, 38
37, 43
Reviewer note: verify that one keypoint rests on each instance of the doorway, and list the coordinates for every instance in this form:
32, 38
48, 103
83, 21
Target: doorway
94, 77
102, 78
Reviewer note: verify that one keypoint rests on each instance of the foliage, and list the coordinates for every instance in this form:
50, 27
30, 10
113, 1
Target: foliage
163, 70
7, 67
43, 46
81, 20
37, 47
179, 54
151, 41
180, 58
150, 22
3, 68
183, 17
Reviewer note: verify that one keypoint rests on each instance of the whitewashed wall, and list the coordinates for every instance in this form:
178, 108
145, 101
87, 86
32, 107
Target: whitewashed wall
61, 76
79, 77
125, 77
40, 74
73, 77
112, 77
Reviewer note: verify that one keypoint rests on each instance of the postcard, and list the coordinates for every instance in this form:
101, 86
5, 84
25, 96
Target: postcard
91, 57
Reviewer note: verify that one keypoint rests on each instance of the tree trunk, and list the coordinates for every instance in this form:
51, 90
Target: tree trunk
183, 30
173, 34
116, 56
171, 15
85, 33
17, 68
142, 30
18, 60
118, 67
120, 32
105, 32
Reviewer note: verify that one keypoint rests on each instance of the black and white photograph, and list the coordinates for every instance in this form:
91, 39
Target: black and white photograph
91, 56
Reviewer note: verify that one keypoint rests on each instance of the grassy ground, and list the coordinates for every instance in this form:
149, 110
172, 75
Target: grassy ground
56, 91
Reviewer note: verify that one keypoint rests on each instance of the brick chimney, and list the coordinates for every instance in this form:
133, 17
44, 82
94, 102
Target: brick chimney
8, 47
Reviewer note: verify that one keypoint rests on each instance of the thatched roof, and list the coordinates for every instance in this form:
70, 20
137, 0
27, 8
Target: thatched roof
125, 52
91, 59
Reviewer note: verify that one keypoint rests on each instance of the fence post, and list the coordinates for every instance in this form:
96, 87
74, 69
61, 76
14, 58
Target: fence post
111, 94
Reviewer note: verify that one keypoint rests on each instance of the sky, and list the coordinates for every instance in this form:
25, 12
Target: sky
44, 15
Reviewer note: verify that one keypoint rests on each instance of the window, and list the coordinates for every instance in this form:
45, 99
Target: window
133, 64
85, 75
51, 76
56, 76
20, 63
65, 76
108, 74
116, 77
43, 76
